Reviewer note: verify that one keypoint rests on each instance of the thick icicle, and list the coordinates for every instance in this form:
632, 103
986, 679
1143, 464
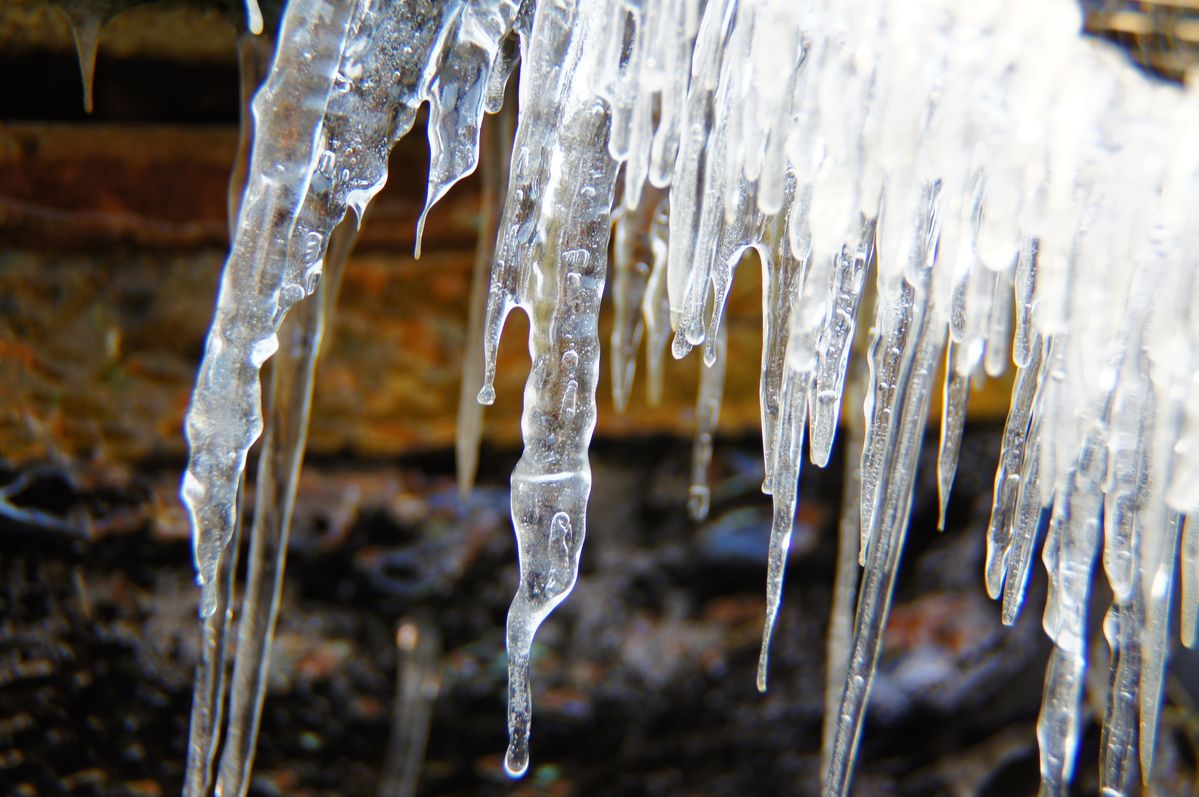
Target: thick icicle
458, 95
225, 417
849, 283
1069, 556
782, 272
343, 87
552, 261
707, 416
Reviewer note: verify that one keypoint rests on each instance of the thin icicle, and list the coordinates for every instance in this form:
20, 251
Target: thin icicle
1155, 640
892, 499
497, 144
86, 20
1027, 521
845, 580
1007, 475
888, 350
208, 691
253, 63
293, 376
1025, 287
632, 259
1118, 742
418, 680
800, 369
999, 331
707, 417
954, 395
655, 306
1190, 581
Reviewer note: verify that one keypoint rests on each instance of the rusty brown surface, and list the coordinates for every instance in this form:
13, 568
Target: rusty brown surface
193, 31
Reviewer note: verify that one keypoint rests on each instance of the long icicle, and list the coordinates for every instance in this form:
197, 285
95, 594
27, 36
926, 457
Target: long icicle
293, 376
845, 579
922, 344
552, 261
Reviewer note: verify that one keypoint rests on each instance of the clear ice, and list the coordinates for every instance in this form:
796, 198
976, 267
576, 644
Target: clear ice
924, 184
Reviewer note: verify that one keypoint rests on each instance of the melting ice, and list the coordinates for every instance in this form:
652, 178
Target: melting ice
958, 186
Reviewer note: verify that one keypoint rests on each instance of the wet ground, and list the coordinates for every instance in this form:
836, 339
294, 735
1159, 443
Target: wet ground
644, 679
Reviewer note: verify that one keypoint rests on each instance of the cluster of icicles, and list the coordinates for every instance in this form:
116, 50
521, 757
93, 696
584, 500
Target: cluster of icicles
976, 179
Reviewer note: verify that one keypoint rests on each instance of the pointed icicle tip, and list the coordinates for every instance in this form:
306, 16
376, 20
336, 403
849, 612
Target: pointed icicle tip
254, 17
85, 29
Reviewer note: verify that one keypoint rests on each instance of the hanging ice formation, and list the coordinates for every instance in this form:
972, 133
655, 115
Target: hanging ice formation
978, 181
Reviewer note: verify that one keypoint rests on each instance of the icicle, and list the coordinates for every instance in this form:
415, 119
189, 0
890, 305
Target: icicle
253, 17
418, 680
849, 284
1190, 581
999, 332
845, 581
253, 62
707, 417
807, 319
1007, 475
781, 275
655, 305
1025, 286
208, 692
632, 257
293, 376
86, 19
1069, 556
320, 147
1022, 542
954, 395
1118, 742
1155, 640
497, 144
458, 93
889, 349
225, 417
552, 260
920, 349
